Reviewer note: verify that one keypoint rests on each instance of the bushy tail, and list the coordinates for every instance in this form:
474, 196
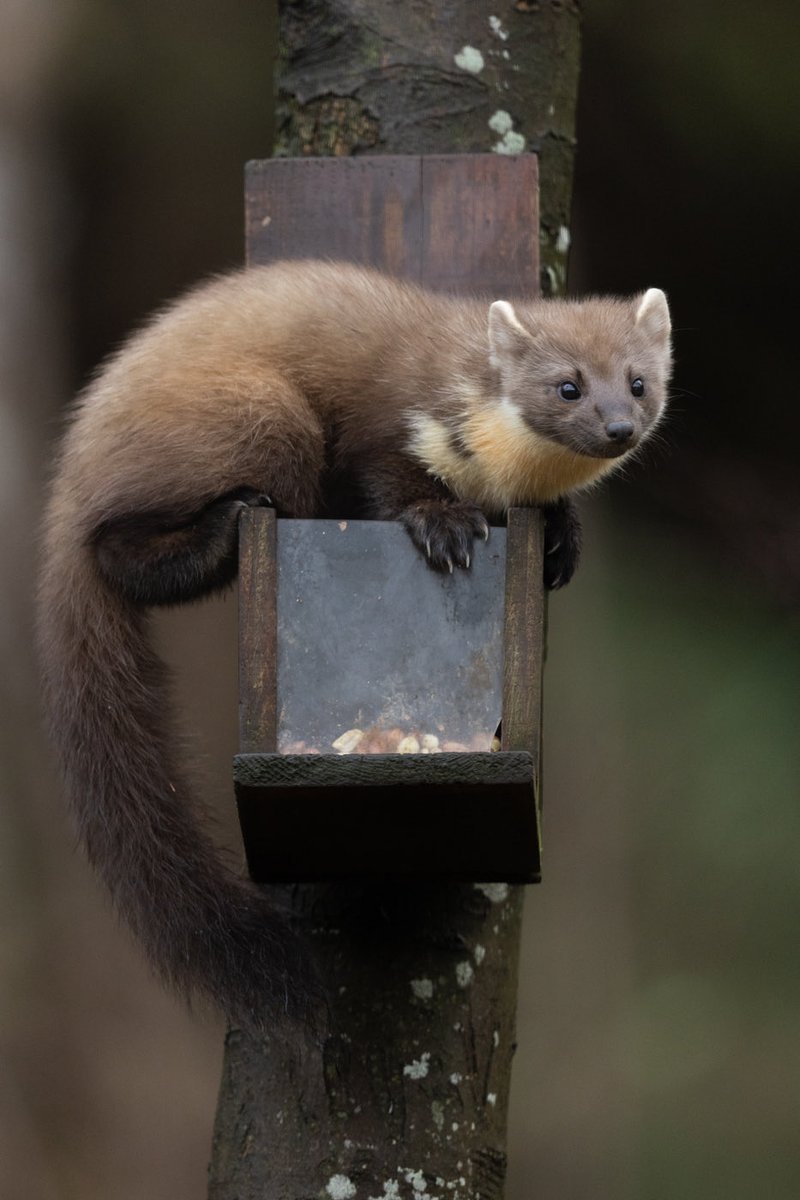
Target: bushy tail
106, 693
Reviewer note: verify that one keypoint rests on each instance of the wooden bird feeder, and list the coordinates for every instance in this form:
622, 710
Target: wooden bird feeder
350, 642
371, 686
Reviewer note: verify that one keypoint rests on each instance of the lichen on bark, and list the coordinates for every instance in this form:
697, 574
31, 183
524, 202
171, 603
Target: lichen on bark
358, 76
408, 1094
330, 125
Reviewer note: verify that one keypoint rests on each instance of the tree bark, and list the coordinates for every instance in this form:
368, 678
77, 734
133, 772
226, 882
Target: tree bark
407, 1098
409, 1093
460, 76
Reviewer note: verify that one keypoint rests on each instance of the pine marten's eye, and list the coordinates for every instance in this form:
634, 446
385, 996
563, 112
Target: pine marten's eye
637, 388
569, 390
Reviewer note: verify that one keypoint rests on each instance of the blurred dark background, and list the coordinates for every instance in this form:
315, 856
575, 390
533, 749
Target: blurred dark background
660, 1016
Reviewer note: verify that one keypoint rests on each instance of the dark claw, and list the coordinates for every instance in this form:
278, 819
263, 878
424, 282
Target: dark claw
247, 497
444, 531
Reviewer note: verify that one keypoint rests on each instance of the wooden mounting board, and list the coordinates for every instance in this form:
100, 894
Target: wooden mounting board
452, 222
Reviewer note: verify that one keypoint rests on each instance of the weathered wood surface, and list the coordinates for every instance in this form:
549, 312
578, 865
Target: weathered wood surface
389, 816
258, 626
524, 634
410, 771
449, 222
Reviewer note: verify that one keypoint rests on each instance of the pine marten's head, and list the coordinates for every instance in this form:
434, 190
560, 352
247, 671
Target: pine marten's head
589, 375
574, 386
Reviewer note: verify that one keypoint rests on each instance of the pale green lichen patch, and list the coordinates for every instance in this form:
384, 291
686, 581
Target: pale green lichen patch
469, 59
563, 240
422, 988
501, 122
418, 1069
417, 1182
464, 974
496, 892
391, 1191
511, 143
339, 1187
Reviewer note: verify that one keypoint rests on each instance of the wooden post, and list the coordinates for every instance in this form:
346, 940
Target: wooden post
408, 1094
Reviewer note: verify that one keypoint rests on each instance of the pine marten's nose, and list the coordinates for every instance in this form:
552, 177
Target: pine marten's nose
620, 431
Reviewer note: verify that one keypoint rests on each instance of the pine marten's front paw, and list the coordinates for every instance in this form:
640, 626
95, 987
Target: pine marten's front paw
444, 530
562, 542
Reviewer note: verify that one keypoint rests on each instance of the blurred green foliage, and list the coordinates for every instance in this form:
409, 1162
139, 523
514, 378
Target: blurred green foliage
693, 680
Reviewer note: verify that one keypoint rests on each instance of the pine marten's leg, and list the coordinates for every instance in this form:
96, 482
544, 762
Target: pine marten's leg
441, 526
562, 542
159, 557
167, 551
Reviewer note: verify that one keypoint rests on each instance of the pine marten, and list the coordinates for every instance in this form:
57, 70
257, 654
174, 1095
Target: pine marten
263, 387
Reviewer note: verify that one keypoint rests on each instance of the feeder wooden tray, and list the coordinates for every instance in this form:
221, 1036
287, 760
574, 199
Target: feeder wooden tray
457, 816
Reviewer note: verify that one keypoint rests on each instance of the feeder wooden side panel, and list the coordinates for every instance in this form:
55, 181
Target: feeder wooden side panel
523, 635
258, 630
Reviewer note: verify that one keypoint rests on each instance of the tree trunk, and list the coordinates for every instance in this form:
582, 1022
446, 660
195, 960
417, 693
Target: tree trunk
378, 77
407, 1098
409, 1093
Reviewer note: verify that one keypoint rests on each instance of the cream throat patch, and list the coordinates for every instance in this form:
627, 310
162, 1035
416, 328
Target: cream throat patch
491, 456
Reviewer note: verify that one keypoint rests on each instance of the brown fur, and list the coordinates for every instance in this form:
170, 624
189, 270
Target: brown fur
258, 384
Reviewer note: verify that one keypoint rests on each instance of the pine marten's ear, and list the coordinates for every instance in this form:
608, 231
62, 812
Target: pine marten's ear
507, 338
652, 315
